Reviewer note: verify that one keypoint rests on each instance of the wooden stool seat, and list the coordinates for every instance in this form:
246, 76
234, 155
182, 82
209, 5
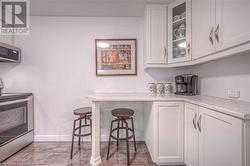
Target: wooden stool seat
122, 113
83, 111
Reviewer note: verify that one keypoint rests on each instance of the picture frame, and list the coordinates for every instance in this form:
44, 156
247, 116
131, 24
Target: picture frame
116, 57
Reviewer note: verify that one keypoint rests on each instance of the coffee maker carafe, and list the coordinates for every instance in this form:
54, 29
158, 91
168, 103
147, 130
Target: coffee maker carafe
186, 84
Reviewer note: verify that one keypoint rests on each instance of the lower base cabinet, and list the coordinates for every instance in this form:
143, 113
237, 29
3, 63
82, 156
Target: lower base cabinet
184, 133
191, 135
164, 132
212, 138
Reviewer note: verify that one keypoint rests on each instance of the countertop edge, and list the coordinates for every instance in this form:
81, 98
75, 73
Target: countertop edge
219, 109
182, 98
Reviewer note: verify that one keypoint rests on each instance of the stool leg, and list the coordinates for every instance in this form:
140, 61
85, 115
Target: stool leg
127, 142
72, 143
118, 125
90, 121
109, 138
133, 132
79, 138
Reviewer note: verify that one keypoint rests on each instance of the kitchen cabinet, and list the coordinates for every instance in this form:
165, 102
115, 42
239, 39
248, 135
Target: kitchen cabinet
203, 22
191, 135
232, 23
219, 25
179, 31
156, 35
197, 31
165, 133
220, 139
212, 138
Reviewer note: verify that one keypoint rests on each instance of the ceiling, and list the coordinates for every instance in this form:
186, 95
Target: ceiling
90, 8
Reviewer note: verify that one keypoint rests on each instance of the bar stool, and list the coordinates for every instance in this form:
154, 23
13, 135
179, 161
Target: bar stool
84, 114
122, 115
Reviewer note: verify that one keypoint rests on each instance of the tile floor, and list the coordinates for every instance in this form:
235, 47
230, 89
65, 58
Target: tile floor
58, 154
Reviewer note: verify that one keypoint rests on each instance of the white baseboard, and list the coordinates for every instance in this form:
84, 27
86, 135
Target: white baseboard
66, 138
45, 138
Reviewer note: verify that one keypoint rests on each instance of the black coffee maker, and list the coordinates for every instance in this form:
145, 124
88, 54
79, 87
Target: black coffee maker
186, 84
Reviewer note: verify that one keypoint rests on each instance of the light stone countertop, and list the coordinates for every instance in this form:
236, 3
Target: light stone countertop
239, 109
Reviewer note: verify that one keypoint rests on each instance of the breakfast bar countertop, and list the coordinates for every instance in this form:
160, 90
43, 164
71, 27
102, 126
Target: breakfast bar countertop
239, 109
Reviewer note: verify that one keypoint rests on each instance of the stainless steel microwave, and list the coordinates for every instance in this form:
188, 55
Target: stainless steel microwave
9, 53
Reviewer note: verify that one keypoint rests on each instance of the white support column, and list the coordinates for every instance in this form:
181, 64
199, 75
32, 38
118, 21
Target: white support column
95, 155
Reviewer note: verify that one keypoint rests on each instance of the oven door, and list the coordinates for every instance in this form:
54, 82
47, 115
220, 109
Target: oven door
14, 121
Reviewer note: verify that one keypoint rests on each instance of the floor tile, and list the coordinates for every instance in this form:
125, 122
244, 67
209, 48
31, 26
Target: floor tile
58, 154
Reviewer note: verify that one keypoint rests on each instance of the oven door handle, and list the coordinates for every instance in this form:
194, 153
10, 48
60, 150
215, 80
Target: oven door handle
14, 101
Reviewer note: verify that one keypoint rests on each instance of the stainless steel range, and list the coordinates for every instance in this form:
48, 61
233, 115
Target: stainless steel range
16, 123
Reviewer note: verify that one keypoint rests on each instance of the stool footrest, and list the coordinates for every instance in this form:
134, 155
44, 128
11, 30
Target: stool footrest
118, 139
130, 137
82, 135
86, 125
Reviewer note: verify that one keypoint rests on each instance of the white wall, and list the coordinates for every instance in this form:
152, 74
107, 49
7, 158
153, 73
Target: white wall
59, 68
217, 77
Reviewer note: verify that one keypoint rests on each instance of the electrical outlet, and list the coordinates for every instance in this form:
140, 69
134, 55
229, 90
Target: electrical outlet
233, 93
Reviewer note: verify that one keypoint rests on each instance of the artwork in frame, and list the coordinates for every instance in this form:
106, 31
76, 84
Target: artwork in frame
116, 57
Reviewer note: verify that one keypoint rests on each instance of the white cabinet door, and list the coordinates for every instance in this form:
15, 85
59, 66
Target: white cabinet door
156, 34
179, 31
170, 132
191, 135
203, 27
220, 139
232, 23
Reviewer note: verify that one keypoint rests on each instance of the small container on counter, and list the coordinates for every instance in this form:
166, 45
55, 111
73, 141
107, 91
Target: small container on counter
152, 88
168, 88
160, 89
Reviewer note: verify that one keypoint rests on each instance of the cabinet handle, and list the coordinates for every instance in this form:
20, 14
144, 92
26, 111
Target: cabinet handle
211, 35
165, 52
188, 48
199, 123
216, 32
194, 121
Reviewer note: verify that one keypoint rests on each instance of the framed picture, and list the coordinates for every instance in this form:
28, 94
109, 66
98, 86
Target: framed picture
115, 57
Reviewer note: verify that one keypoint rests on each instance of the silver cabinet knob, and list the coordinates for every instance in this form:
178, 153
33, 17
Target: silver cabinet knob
165, 52
216, 32
188, 48
199, 123
211, 36
194, 121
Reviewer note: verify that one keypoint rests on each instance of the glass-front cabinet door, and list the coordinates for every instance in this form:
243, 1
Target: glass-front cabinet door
179, 30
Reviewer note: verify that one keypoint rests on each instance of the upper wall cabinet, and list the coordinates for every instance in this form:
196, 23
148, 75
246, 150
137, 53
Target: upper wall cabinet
179, 31
198, 31
232, 23
203, 22
156, 35
219, 25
